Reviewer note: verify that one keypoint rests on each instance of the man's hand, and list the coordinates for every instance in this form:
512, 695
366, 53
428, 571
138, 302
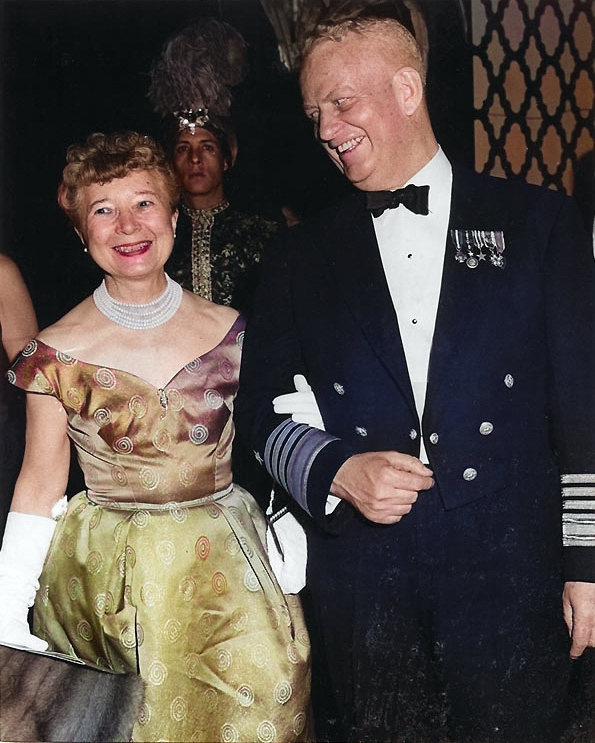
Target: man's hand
578, 602
383, 486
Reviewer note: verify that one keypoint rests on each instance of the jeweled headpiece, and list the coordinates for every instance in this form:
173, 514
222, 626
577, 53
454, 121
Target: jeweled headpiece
190, 119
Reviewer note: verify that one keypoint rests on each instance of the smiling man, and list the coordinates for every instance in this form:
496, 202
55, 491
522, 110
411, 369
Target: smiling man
445, 322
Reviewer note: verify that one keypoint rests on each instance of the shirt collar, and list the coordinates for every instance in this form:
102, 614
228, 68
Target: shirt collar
437, 174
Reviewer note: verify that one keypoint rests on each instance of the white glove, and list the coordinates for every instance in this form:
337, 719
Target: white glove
301, 404
25, 545
287, 548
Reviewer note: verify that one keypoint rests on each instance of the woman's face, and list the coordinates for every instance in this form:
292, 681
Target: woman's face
127, 224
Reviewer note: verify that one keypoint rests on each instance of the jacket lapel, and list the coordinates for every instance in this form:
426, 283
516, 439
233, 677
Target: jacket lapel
465, 292
356, 262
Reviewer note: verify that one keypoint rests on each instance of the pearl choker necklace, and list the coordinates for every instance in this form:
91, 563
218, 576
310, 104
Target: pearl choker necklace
140, 316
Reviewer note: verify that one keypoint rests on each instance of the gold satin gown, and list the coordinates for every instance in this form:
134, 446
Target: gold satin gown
159, 568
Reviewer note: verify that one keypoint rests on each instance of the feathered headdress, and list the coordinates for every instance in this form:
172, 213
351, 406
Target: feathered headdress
194, 76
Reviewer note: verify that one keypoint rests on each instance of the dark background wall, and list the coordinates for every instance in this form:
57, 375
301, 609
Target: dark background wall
70, 67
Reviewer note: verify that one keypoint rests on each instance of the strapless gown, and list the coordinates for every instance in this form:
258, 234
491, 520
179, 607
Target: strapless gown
159, 567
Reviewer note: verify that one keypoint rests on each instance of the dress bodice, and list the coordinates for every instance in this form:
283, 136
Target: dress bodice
136, 442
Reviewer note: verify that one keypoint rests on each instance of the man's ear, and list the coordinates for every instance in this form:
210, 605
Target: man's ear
409, 89
233, 152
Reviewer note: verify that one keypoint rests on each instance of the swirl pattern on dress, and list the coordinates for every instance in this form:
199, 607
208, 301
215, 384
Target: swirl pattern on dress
138, 406
199, 433
102, 416
30, 349
65, 358
162, 440
203, 547
84, 630
148, 478
245, 695
178, 709
213, 399
166, 551
74, 399
282, 692
105, 378
123, 445
157, 673
266, 732
172, 630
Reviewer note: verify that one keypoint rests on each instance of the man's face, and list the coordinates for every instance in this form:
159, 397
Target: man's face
198, 162
350, 96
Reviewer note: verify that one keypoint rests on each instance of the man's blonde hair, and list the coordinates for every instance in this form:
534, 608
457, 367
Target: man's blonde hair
392, 35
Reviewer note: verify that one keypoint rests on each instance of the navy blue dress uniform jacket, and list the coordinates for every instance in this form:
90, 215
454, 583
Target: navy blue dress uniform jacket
511, 382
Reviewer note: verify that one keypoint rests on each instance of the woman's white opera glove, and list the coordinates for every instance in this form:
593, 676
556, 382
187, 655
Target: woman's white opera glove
25, 545
301, 404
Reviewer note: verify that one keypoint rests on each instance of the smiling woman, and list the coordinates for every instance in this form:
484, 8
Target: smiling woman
124, 213
158, 567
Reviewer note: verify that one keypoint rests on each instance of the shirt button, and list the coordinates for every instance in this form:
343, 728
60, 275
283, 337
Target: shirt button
413, 434
339, 389
469, 474
509, 380
361, 431
486, 428
434, 438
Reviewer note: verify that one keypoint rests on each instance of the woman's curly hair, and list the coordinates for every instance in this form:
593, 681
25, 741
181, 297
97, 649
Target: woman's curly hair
104, 157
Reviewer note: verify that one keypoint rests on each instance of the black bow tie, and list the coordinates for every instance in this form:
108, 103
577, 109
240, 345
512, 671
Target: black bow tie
415, 198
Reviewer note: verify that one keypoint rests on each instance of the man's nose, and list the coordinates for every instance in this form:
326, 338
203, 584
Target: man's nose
327, 127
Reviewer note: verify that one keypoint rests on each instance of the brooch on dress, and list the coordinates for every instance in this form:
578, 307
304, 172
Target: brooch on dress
473, 246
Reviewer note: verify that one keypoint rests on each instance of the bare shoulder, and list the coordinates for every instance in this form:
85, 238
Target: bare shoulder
216, 316
11, 279
71, 332
7, 266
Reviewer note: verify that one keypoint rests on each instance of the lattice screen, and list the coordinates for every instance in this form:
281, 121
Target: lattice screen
534, 87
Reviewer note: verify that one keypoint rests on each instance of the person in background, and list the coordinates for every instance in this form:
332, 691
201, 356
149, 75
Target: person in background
18, 324
159, 566
444, 321
217, 248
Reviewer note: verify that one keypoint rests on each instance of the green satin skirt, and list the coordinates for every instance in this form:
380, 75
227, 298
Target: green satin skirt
183, 595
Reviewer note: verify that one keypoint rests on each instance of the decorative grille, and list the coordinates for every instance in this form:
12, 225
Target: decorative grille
534, 88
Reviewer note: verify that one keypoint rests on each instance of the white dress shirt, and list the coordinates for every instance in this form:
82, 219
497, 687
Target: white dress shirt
412, 248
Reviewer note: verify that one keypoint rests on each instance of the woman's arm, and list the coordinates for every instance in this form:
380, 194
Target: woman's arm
29, 526
17, 317
44, 474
